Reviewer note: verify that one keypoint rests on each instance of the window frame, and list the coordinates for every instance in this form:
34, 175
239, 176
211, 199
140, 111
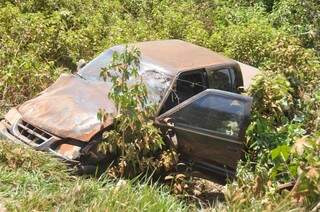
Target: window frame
174, 84
238, 80
211, 79
202, 71
213, 133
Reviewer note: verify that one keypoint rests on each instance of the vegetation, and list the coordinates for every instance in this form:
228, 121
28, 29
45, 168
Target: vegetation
41, 39
34, 181
134, 141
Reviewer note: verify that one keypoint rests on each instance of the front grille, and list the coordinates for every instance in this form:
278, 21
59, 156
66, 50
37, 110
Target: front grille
32, 133
40, 140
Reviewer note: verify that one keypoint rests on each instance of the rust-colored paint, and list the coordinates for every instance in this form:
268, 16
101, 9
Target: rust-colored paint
63, 148
177, 56
69, 107
248, 74
68, 150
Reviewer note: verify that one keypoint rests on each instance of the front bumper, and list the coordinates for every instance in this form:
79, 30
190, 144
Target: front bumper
9, 133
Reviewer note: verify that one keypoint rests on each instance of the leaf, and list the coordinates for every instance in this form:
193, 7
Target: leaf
293, 169
281, 151
313, 173
300, 145
180, 176
169, 177
178, 188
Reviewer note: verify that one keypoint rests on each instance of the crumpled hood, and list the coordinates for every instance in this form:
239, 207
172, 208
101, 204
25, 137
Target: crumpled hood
69, 107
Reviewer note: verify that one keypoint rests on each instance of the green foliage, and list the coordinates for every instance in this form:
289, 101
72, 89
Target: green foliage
285, 114
305, 166
300, 18
36, 47
41, 39
245, 42
256, 190
134, 141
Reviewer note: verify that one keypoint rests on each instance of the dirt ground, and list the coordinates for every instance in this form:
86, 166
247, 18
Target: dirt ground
207, 189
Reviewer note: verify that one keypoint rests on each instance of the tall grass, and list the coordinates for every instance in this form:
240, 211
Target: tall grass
31, 180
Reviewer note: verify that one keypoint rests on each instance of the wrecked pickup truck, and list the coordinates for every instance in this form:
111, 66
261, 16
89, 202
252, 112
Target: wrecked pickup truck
197, 89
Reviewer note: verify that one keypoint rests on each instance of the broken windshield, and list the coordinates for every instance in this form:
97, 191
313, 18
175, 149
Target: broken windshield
156, 81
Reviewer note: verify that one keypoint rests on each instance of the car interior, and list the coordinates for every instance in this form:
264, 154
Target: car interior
188, 84
191, 83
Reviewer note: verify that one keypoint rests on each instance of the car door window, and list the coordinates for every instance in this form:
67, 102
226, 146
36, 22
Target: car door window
223, 79
187, 85
190, 84
217, 112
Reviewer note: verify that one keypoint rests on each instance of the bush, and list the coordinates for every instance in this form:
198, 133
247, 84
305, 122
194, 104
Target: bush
286, 104
244, 42
300, 18
134, 142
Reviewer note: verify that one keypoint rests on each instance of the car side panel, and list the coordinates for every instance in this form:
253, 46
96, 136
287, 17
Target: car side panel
205, 147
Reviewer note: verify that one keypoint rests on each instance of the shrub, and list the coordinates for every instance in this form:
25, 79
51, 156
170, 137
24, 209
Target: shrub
285, 109
244, 42
300, 18
134, 141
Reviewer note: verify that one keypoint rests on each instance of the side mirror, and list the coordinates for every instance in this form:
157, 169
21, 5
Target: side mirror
80, 64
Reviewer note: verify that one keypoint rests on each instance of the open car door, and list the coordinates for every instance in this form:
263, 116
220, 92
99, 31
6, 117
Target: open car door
210, 129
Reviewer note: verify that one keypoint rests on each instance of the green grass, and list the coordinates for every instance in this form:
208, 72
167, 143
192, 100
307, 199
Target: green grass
31, 180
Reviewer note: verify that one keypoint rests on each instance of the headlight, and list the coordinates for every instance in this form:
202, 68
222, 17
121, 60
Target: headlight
13, 116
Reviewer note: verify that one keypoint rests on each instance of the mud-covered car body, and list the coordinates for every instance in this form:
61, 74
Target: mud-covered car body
195, 88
